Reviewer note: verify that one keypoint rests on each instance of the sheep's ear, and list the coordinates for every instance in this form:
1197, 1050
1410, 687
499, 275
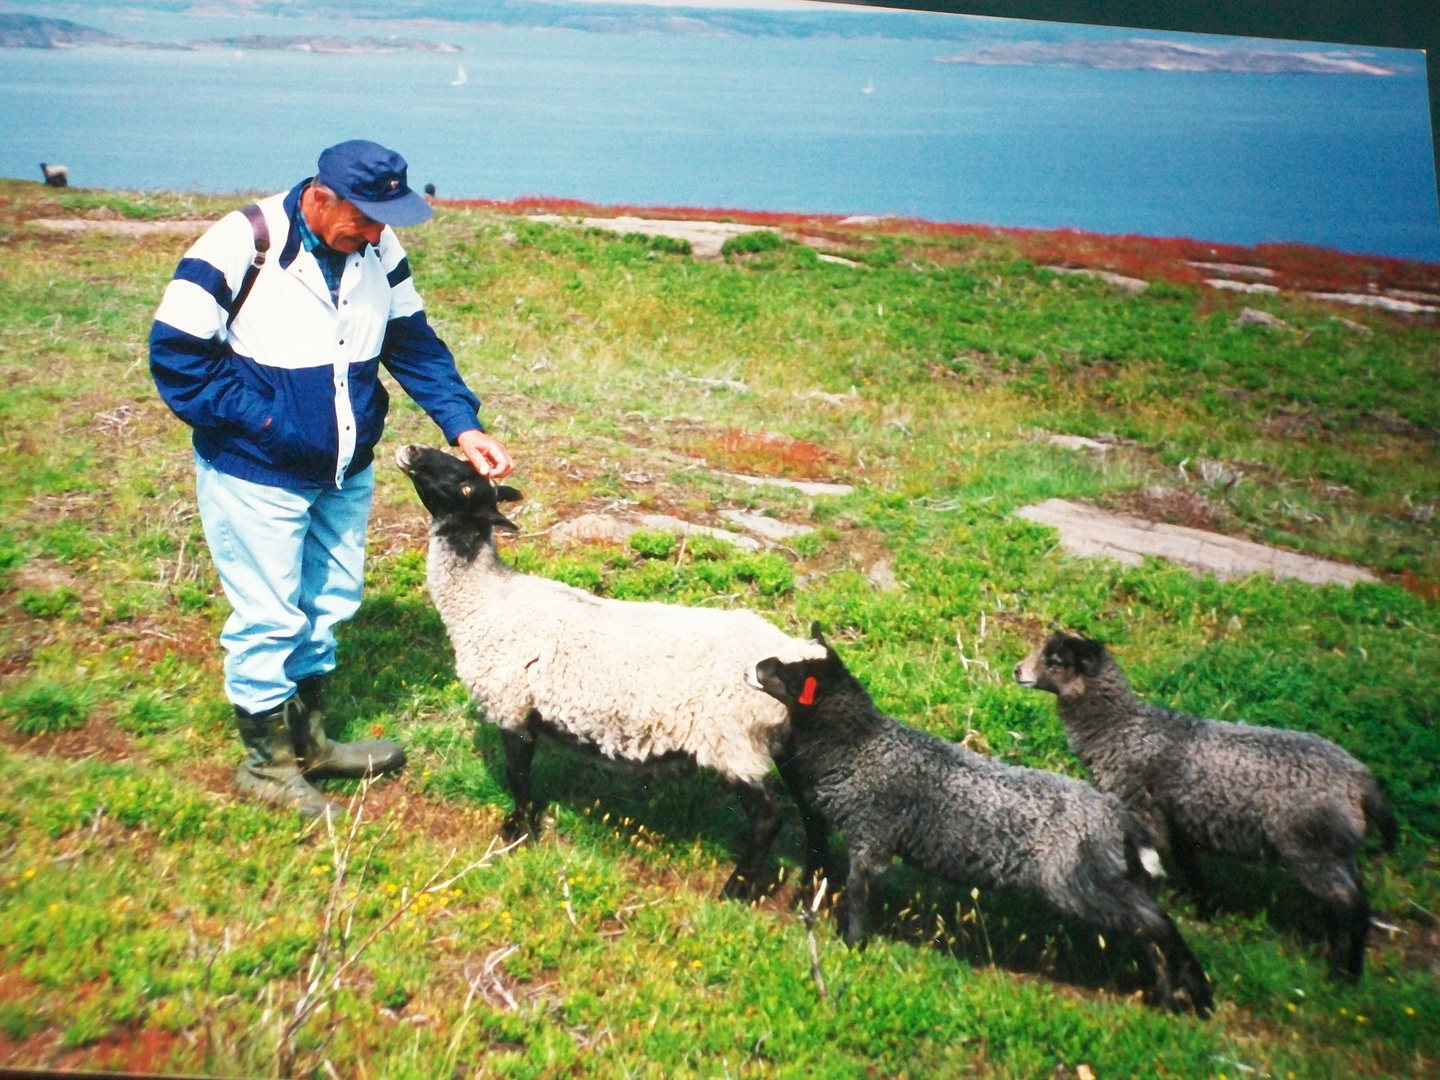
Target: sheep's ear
1088, 656
815, 633
500, 521
504, 493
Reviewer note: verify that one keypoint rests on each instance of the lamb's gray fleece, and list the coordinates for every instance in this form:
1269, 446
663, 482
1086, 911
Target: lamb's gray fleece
1253, 792
892, 790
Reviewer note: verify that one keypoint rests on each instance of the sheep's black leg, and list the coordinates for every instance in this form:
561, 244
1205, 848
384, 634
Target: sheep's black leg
749, 878
1186, 857
519, 751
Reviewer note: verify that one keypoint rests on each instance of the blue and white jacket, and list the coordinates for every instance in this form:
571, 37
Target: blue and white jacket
290, 395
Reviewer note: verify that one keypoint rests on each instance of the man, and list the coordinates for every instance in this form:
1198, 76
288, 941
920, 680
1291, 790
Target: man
281, 385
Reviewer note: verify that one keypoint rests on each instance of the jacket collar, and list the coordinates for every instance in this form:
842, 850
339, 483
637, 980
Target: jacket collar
291, 204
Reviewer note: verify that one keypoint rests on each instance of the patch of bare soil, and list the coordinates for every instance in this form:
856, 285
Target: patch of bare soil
44, 575
99, 738
1174, 506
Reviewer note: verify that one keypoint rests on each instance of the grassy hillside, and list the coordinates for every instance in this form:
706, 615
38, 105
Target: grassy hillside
149, 920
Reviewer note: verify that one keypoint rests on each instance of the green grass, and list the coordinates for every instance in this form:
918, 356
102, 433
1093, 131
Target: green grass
148, 920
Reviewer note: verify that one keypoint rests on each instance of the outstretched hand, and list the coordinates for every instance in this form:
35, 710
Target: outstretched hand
486, 453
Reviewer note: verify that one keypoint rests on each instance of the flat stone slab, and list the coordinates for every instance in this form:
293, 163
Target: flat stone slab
1242, 286
706, 237
610, 528
1119, 281
812, 488
1385, 303
768, 527
1092, 533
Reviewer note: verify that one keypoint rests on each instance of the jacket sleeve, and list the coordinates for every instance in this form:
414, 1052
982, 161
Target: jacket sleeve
421, 363
190, 359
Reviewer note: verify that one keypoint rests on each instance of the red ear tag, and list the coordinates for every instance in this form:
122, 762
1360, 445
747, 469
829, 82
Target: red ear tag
807, 696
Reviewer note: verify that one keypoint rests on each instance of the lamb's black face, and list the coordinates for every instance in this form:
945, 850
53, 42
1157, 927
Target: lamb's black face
1060, 662
451, 489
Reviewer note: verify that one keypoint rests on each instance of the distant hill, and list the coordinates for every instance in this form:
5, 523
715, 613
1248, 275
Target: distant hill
38, 32
1149, 54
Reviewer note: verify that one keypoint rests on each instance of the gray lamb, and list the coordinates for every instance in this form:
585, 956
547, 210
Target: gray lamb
892, 790
1254, 792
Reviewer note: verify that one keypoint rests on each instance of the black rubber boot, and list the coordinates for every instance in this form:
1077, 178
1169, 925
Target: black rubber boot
271, 773
323, 759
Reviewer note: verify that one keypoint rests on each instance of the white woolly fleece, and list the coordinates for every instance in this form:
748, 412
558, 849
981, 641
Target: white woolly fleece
635, 680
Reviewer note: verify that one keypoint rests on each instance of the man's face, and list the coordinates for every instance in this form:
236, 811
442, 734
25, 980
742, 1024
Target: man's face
340, 224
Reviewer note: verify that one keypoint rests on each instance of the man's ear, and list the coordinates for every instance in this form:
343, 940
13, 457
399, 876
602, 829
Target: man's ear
504, 493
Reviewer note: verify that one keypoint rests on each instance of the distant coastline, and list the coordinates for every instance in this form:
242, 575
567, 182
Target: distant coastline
39, 32
1148, 54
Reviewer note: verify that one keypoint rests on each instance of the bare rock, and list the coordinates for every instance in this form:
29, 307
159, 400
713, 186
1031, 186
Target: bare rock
1091, 533
768, 527
1251, 317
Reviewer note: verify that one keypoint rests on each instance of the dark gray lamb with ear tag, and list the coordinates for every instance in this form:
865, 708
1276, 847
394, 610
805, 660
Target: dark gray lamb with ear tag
638, 684
892, 790
1253, 792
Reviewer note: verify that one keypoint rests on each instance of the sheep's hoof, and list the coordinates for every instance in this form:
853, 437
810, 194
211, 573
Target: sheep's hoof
741, 887
517, 829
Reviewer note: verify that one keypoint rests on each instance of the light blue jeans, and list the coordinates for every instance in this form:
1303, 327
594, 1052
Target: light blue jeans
292, 563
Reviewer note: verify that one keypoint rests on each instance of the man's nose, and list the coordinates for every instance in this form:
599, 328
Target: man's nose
372, 231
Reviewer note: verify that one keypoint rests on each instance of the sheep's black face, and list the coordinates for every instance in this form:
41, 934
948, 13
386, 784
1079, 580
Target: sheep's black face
464, 504
1062, 663
798, 681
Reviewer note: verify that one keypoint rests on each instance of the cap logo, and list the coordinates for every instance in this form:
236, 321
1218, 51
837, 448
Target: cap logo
807, 695
394, 185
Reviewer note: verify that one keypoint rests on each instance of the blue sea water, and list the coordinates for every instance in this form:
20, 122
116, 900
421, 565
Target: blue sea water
752, 122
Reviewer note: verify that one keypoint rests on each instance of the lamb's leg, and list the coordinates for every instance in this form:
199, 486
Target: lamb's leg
1178, 975
749, 879
1324, 859
519, 750
1186, 857
817, 829
858, 900
1347, 919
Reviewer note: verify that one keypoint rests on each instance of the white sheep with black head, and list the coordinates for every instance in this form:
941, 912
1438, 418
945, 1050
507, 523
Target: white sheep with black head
1235, 789
635, 683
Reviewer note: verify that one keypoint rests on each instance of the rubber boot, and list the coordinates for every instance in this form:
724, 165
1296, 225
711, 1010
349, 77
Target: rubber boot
322, 758
271, 772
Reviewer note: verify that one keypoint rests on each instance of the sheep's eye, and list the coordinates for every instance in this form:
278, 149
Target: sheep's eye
467, 490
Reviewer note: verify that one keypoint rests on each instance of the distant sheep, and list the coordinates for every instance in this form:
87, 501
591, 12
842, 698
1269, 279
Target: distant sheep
55, 175
1253, 792
638, 683
892, 790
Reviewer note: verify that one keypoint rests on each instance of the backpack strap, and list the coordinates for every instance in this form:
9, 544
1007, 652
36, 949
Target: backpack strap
261, 232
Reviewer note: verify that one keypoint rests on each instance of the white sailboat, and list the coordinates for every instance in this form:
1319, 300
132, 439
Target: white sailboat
459, 79
869, 87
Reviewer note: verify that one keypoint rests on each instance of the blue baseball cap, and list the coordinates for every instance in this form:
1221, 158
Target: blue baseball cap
373, 178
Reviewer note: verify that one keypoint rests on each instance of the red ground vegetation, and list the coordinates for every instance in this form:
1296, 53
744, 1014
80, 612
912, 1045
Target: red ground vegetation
767, 455
1296, 266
